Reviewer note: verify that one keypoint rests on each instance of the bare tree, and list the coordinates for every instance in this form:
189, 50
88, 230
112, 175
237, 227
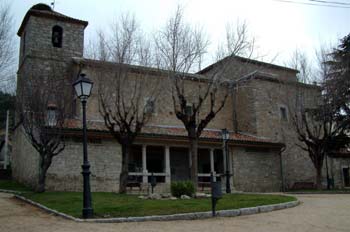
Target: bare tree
97, 50
197, 99
317, 124
301, 62
41, 109
238, 41
127, 94
320, 133
6, 46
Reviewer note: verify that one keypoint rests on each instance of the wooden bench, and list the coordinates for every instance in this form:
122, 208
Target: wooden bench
303, 185
204, 185
132, 184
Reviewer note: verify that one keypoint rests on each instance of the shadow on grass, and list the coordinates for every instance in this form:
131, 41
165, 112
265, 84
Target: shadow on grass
13, 186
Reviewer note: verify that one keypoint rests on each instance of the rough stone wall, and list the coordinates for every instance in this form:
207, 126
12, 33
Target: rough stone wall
24, 160
336, 165
37, 39
237, 69
40, 62
164, 109
105, 160
270, 96
256, 171
64, 173
244, 96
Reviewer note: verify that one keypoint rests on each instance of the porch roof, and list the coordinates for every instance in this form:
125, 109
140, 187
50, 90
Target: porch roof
174, 132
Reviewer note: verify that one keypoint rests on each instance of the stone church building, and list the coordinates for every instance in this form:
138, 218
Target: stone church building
263, 155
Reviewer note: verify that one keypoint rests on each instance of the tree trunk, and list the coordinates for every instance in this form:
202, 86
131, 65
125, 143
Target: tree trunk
194, 161
319, 178
44, 164
41, 183
123, 178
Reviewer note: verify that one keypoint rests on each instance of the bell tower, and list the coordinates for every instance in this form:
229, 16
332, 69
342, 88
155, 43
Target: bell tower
49, 41
48, 34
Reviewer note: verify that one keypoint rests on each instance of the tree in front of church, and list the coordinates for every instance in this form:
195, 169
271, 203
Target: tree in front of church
41, 106
197, 99
127, 94
322, 128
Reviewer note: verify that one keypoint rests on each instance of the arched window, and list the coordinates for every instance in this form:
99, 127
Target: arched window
57, 34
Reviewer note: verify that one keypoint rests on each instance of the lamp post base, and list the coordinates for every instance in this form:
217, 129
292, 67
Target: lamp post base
228, 186
87, 206
88, 212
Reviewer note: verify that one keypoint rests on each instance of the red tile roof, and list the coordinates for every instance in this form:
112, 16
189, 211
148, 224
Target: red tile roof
172, 131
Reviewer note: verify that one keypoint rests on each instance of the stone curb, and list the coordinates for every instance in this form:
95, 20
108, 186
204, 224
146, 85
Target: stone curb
334, 192
183, 216
9, 191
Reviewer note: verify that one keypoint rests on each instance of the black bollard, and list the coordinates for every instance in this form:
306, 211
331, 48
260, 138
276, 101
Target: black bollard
216, 193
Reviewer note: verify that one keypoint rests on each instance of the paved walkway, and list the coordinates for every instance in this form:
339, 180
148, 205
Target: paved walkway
316, 213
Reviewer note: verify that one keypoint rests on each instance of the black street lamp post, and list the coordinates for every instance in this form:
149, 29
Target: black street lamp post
225, 138
83, 88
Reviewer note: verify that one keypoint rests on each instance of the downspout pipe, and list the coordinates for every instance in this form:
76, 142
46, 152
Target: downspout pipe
234, 89
283, 189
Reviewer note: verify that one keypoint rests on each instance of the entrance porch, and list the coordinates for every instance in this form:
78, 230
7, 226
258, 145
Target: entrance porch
172, 163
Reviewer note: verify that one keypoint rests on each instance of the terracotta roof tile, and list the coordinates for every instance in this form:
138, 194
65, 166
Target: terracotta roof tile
171, 132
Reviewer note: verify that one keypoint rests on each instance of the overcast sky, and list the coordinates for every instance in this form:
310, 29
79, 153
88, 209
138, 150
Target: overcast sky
280, 27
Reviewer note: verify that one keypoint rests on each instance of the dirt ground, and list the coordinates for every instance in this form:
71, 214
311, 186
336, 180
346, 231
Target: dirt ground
316, 213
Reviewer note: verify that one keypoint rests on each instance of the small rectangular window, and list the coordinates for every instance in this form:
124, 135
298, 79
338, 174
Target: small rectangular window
283, 112
57, 34
189, 110
150, 106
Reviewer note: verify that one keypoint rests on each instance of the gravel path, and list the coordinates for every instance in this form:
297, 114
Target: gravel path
316, 213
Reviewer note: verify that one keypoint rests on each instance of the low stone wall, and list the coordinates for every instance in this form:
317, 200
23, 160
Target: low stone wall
64, 173
335, 170
256, 171
24, 160
105, 160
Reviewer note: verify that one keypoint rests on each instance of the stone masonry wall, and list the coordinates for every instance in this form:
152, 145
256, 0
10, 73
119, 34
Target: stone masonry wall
244, 96
105, 160
270, 97
164, 109
40, 61
64, 173
36, 38
335, 170
24, 160
237, 69
256, 171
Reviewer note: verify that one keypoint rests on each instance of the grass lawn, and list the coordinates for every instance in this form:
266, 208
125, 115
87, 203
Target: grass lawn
117, 205
14, 186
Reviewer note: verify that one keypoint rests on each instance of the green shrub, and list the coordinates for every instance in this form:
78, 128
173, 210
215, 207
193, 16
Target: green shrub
182, 188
